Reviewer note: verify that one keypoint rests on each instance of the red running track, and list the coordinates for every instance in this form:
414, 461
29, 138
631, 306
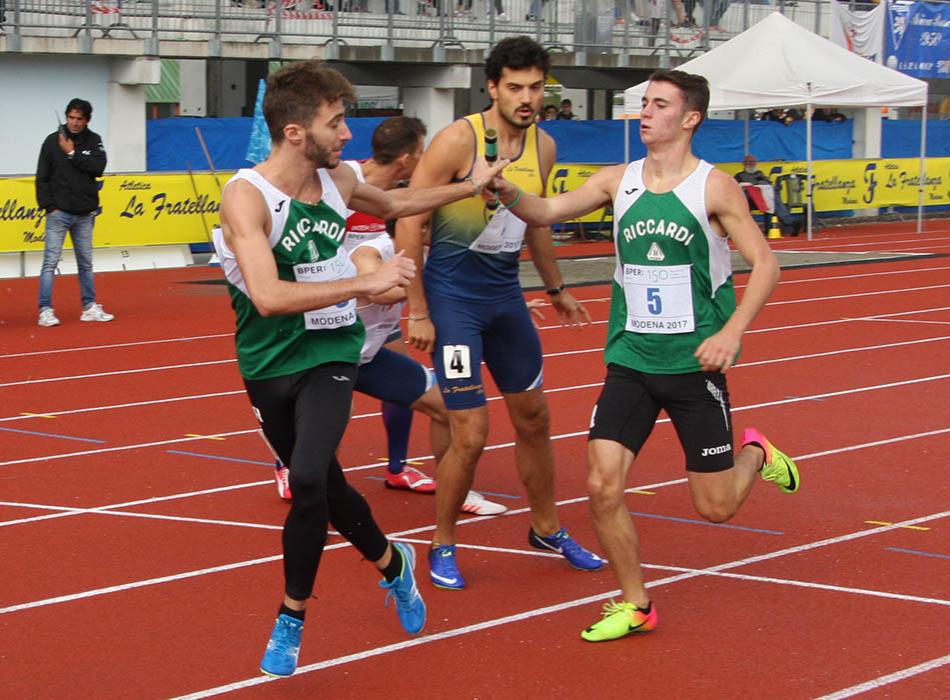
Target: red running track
140, 531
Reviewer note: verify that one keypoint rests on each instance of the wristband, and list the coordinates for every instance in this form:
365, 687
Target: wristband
514, 202
554, 291
419, 318
476, 188
71, 153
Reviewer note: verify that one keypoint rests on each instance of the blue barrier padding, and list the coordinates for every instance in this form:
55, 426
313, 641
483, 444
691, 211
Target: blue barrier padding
900, 138
173, 144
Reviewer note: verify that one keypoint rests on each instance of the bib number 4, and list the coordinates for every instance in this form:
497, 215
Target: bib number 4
457, 361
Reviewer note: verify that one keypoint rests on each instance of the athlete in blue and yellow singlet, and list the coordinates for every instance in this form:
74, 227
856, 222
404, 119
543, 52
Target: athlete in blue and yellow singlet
470, 308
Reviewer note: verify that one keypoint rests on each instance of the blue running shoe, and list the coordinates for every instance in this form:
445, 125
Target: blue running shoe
409, 604
563, 544
280, 657
443, 569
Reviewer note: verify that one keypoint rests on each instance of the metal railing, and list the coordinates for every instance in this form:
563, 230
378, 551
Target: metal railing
602, 32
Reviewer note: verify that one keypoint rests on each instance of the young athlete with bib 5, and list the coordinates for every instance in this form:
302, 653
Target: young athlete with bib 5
293, 289
674, 328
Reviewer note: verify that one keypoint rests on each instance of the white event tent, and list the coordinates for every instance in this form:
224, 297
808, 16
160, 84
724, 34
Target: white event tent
777, 63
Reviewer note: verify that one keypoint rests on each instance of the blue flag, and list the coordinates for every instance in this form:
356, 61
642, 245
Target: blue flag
258, 147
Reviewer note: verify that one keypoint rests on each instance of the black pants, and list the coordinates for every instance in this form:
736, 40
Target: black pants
303, 416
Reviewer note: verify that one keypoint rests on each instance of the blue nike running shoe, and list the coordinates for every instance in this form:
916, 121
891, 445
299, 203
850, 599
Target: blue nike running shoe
564, 544
443, 569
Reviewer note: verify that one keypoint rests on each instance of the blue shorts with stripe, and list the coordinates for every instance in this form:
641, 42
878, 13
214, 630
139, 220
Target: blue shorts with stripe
393, 377
468, 332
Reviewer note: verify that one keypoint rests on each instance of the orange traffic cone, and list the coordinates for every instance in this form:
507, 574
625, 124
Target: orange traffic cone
774, 230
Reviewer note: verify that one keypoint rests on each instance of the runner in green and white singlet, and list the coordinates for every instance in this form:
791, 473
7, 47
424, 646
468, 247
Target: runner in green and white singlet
307, 243
672, 287
675, 328
298, 335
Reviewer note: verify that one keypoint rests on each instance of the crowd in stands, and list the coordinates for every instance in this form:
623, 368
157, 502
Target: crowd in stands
793, 114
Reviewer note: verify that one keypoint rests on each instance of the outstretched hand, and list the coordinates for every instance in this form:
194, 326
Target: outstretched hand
398, 271
571, 311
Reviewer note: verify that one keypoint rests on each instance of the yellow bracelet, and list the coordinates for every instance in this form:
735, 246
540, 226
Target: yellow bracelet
419, 318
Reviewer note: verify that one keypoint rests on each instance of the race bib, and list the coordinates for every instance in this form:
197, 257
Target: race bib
340, 315
503, 234
659, 298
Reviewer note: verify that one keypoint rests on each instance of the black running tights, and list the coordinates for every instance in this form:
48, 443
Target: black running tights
303, 416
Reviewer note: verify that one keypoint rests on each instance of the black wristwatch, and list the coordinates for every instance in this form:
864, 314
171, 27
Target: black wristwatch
554, 291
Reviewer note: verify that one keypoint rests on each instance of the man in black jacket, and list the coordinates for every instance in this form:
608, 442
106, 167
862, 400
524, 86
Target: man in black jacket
751, 175
71, 159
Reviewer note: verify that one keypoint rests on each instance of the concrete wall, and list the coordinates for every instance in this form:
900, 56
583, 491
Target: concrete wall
43, 85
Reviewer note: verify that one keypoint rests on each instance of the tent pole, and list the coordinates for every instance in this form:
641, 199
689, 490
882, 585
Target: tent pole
921, 183
745, 120
626, 136
808, 182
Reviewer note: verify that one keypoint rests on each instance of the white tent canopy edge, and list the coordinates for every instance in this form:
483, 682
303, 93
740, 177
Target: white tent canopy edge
777, 63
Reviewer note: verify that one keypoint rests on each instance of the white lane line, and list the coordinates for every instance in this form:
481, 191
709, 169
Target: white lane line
904, 320
133, 404
552, 327
173, 441
64, 510
230, 334
888, 679
482, 519
842, 352
797, 583
537, 612
159, 341
116, 373
858, 295
35, 414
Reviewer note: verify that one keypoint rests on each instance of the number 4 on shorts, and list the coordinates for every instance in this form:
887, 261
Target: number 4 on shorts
457, 361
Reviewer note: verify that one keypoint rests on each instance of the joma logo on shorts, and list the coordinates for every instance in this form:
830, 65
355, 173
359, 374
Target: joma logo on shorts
718, 450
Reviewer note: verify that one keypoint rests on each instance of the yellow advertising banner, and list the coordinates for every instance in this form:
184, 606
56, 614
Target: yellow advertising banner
866, 184
136, 210
152, 209
569, 176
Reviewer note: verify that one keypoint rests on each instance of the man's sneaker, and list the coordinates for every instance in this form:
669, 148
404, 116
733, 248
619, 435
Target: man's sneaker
477, 504
620, 619
48, 318
282, 477
280, 657
778, 467
95, 313
443, 569
409, 604
564, 544
410, 479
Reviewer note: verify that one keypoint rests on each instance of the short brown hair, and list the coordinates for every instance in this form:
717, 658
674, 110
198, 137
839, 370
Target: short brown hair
396, 136
296, 92
695, 89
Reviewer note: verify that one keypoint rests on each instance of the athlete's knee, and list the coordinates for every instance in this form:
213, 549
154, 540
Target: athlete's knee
532, 418
308, 486
469, 432
714, 510
605, 488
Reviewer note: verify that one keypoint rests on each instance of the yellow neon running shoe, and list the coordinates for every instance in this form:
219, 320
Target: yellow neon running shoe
621, 619
778, 466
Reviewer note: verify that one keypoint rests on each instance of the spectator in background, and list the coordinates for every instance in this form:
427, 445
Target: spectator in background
71, 159
567, 110
827, 115
549, 113
749, 177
